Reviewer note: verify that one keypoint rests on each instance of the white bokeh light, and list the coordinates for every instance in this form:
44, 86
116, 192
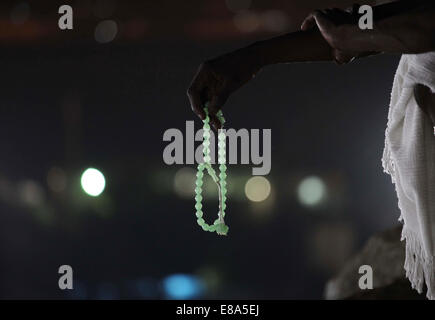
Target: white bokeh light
93, 182
257, 189
311, 191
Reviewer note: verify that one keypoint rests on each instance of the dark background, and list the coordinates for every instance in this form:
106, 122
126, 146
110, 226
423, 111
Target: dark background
69, 102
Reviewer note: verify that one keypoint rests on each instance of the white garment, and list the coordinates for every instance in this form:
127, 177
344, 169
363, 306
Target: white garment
409, 157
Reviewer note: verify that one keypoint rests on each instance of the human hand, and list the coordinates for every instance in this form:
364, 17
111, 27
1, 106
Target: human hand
217, 79
340, 29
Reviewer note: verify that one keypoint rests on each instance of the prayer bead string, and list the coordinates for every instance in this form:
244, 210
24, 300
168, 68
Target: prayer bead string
219, 225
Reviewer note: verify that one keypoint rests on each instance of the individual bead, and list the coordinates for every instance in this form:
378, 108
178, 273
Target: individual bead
199, 214
200, 221
198, 198
198, 206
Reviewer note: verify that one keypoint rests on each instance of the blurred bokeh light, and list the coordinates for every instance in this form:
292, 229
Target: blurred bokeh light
56, 179
184, 183
93, 182
182, 286
311, 191
257, 189
106, 31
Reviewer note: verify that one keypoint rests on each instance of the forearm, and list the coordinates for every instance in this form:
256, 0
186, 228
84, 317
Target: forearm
300, 46
400, 27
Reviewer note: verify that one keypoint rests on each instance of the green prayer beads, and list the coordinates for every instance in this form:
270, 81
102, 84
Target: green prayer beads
219, 225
